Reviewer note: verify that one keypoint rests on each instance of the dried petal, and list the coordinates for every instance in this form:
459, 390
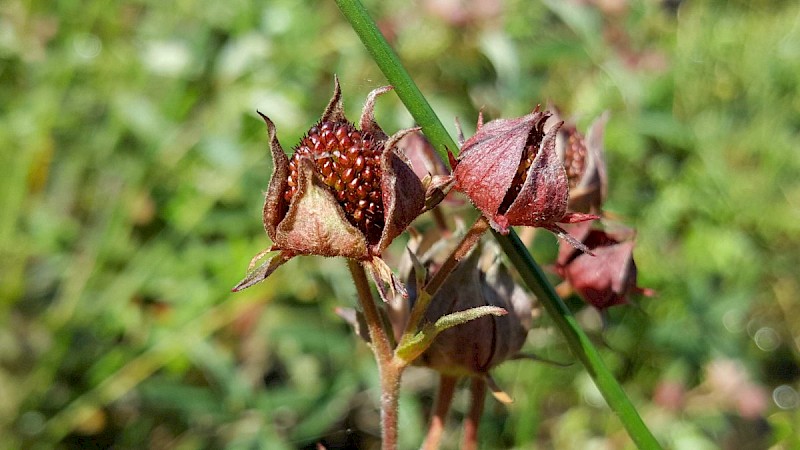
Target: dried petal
403, 195
316, 223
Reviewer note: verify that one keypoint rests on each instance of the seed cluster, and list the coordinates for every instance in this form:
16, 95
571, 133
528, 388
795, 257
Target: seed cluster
528, 155
574, 157
349, 164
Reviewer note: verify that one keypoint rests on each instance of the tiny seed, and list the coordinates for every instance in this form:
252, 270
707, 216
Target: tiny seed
327, 137
345, 161
359, 164
339, 185
354, 185
326, 169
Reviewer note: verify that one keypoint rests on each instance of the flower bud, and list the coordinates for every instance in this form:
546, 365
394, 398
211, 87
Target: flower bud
474, 347
608, 278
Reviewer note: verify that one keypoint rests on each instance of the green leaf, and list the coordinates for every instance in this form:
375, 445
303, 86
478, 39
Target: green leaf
457, 318
411, 346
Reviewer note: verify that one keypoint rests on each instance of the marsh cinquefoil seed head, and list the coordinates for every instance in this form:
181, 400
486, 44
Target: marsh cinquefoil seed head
346, 190
583, 159
510, 171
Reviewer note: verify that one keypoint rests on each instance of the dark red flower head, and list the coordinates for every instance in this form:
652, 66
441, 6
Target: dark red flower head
510, 171
346, 191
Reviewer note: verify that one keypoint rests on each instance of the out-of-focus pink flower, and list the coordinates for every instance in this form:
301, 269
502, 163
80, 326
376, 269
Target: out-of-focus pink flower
670, 395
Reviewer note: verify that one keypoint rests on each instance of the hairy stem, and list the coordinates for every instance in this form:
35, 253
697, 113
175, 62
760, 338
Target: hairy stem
389, 368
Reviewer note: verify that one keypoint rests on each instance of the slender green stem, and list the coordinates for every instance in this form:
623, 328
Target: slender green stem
390, 65
531, 273
388, 367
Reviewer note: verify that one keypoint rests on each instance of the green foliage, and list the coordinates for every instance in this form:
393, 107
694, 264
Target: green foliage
134, 171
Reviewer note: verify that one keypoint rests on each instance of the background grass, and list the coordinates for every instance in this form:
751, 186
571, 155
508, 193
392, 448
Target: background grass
134, 170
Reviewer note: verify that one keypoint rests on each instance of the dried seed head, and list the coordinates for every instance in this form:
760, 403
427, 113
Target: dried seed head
345, 191
574, 156
510, 171
349, 164
582, 158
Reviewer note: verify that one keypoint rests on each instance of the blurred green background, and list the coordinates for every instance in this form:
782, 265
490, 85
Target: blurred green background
134, 168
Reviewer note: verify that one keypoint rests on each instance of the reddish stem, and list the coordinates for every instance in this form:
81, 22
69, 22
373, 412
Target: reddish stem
389, 368
444, 398
478, 395
467, 242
